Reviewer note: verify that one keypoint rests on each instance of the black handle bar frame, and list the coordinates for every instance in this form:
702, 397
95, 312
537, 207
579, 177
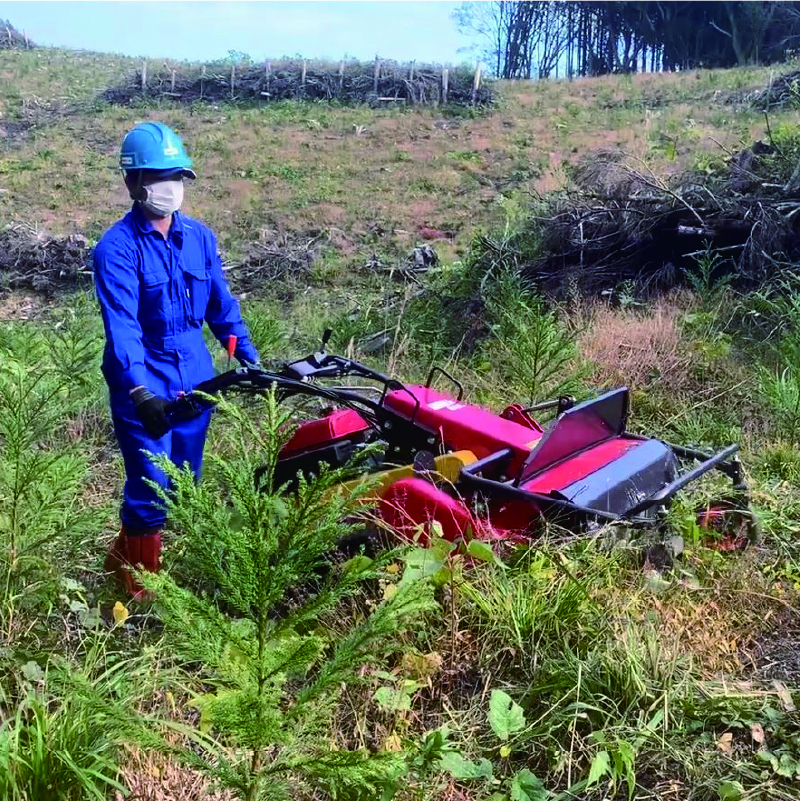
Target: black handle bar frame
404, 435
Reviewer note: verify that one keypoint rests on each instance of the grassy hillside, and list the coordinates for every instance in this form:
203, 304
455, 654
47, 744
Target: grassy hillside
371, 178
630, 677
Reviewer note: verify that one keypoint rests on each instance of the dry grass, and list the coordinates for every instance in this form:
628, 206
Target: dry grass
636, 348
153, 776
20, 306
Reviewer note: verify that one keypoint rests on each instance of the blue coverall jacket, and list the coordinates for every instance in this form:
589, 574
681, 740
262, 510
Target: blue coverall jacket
155, 295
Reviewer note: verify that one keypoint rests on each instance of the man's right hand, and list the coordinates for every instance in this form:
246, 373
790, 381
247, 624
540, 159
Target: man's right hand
151, 410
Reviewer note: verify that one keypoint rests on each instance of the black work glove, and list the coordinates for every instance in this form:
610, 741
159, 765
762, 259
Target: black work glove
151, 410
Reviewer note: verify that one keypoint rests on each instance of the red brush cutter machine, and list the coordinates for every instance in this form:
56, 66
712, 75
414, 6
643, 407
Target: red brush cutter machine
478, 473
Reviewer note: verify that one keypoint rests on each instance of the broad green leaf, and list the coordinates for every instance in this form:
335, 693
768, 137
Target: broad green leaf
32, 671
481, 551
397, 699
788, 766
357, 564
601, 765
89, 618
730, 791
655, 582
676, 545
505, 715
392, 699
624, 757
421, 563
459, 767
527, 787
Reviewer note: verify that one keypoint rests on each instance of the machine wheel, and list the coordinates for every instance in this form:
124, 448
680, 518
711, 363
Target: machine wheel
730, 523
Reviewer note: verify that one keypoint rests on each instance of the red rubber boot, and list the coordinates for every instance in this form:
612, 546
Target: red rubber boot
139, 548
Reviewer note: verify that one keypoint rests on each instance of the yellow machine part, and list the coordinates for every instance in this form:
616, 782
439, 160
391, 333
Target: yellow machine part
446, 469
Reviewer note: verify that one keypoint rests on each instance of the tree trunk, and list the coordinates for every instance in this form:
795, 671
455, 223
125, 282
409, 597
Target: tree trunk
738, 49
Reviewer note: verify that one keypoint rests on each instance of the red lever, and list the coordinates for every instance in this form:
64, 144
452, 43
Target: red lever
231, 347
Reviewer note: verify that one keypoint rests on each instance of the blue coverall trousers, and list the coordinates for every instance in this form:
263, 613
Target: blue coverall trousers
141, 505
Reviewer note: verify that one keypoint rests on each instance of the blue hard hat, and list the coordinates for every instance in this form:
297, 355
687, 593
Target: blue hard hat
155, 146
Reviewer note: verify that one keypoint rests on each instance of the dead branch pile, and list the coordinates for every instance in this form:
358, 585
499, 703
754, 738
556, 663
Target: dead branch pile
421, 259
287, 80
29, 259
625, 223
268, 262
782, 93
12, 39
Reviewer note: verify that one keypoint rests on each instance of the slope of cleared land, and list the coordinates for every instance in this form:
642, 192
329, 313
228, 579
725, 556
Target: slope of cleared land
631, 675
361, 176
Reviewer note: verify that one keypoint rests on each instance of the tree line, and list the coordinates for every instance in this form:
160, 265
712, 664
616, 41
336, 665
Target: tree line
524, 39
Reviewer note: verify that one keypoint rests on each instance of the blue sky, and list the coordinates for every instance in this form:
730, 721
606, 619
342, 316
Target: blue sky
421, 30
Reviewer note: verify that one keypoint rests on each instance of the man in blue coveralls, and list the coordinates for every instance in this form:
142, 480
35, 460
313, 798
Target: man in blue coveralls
158, 278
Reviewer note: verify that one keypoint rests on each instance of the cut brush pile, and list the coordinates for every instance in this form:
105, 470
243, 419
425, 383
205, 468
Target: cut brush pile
782, 93
30, 259
12, 39
625, 223
298, 80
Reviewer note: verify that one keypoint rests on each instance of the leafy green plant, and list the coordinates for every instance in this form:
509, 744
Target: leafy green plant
274, 666
505, 715
780, 385
40, 476
781, 388
528, 343
616, 760
706, 280
266, 332
62, 724
506, 719
56, 749
530, 606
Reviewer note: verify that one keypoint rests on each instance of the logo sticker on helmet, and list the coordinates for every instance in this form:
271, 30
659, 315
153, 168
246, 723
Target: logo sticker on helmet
170, 151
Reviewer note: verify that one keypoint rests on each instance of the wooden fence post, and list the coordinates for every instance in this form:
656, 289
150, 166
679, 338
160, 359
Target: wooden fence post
202, 79
26, 40
267, 79
10, 37
376, 75
341, 77
445, 83
476, 84
233, 80
303, 79
172, 82
144, 75
411, 71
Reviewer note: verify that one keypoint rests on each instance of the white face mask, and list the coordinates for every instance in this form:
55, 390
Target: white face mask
163, 197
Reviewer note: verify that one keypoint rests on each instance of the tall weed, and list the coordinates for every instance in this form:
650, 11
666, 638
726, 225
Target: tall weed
780, 384
56, 749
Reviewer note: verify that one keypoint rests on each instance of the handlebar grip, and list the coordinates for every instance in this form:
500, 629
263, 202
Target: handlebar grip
186, 408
